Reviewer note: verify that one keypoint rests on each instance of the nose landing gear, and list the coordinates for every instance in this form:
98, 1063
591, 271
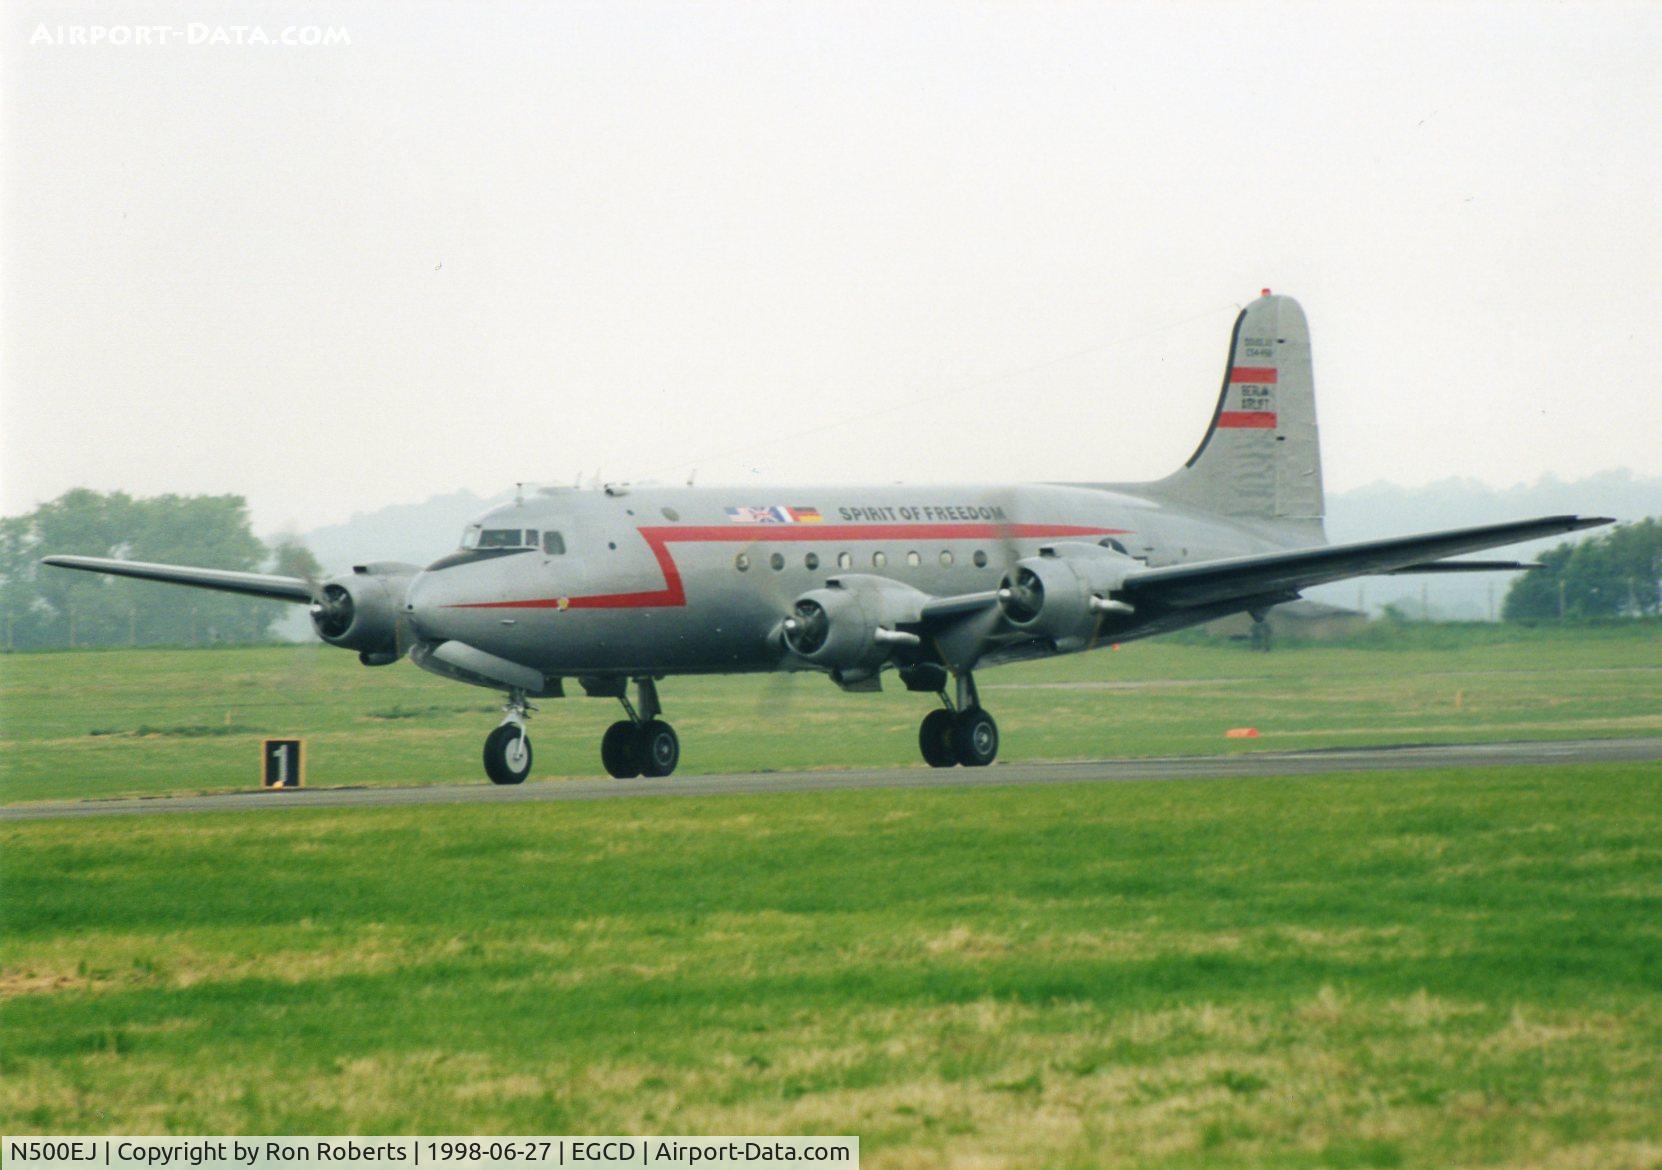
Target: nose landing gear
508, 748
959, 733
643, 744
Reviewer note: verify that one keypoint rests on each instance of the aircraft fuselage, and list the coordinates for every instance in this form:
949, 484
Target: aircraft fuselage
657, 580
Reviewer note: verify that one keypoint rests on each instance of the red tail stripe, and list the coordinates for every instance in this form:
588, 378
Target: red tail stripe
1259, 375
1248, 419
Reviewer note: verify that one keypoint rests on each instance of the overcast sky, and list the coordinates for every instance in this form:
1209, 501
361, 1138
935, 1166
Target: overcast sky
487, 243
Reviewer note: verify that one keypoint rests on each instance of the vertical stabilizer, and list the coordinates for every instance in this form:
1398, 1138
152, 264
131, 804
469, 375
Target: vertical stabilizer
1260, 457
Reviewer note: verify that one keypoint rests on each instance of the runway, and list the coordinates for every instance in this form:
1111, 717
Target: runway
1233, 767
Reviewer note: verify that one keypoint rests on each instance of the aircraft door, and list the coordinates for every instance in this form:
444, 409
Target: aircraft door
560, 565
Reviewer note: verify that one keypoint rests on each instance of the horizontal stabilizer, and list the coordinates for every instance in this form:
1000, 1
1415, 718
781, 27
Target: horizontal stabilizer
224, 580
1285, 573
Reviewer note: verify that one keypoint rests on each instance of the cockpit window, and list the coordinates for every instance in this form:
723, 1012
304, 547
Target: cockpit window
486, 544
553, 544
476, 537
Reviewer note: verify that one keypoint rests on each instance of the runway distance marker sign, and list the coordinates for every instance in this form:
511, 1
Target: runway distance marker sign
283, 763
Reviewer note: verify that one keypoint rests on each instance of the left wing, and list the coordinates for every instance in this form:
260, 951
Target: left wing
1207, 583
224, 580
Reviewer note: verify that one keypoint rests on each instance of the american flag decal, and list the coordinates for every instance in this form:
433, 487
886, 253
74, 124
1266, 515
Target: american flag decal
774, 515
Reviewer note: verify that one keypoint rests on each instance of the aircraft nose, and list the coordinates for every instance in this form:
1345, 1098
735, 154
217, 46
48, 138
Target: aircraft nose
425, 606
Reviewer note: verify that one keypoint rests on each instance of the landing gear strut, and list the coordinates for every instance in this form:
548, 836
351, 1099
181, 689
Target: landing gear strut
643, 744
959, 732
508, 748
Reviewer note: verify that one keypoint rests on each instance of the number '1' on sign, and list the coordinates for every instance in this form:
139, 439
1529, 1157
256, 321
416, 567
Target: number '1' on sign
283, 763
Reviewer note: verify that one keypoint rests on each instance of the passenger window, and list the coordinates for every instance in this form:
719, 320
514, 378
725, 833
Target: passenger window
946, 556
845, 560
553, 544
741, 562
980, 559
811, 560
777, 560
913, 559
879, 559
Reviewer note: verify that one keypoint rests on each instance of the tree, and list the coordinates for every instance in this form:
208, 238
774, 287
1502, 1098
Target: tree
290, 558
208, 531
87, 610
1535, 595
1618, 573
22, 614
44, 607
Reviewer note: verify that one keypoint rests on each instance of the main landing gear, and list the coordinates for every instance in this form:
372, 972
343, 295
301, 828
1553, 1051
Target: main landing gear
961, 732
643, 744
508, 748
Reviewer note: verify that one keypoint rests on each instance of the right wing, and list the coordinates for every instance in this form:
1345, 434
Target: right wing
224, 580
1281, 574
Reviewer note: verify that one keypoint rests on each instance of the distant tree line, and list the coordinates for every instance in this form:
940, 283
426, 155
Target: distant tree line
1617, 574
46, 608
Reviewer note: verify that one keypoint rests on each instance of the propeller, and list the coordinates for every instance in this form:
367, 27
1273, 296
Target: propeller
803, 620
807, 627
1005, 502
300, 678
332, 609
1022, 595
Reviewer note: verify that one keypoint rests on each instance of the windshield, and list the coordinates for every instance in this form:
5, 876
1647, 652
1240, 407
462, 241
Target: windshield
477, 537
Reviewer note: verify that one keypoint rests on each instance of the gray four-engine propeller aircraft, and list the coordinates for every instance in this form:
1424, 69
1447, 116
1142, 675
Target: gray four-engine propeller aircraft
638, 584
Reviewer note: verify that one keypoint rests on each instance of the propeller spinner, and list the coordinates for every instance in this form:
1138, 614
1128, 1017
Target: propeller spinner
807, 627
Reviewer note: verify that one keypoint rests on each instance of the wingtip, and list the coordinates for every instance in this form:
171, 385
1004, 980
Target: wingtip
1593, 521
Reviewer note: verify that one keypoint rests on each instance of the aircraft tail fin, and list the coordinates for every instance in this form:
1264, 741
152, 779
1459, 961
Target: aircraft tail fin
1260, 457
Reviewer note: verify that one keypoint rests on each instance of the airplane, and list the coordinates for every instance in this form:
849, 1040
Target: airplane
640, 583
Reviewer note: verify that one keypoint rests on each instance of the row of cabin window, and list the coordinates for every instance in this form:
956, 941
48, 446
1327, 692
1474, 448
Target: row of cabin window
845, 560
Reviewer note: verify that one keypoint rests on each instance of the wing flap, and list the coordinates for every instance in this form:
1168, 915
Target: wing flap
1209, 582
223, 580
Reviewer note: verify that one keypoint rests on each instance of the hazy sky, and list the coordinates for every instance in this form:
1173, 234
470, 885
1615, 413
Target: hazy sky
487, 243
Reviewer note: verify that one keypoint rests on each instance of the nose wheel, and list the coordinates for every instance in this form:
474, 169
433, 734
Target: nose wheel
508, 748
961, 733
643, 744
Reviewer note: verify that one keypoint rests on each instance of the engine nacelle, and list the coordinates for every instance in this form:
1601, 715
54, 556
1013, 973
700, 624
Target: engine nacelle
848, 627
359, 610
1065, 593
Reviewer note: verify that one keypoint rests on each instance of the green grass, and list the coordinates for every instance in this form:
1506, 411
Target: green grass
152, 721
1403, 969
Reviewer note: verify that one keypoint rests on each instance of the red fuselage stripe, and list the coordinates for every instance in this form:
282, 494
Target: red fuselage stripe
658, 539
1261, 375
1248, 419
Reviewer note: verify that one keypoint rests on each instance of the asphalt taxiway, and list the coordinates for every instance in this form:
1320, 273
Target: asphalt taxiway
1241, 766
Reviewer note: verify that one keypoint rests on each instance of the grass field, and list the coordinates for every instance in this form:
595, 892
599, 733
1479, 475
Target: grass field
1415, 969
125, 722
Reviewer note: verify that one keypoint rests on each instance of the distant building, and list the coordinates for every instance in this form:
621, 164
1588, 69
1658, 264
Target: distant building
1309, 621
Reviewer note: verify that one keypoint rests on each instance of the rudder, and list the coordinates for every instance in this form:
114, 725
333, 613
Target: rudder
1261, 455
